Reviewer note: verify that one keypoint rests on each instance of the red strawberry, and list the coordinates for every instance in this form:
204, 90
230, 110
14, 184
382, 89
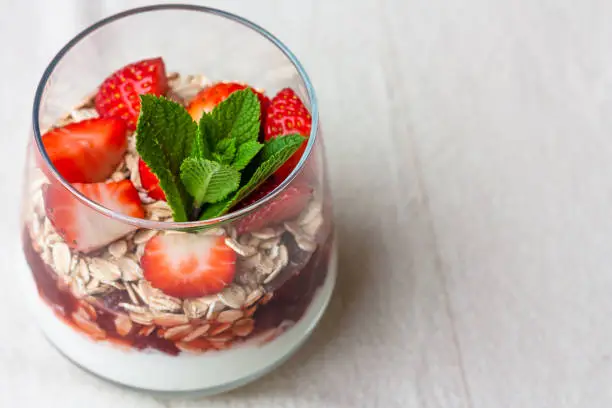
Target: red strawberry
188, 265
287, 114
150, 182
87, 151
83, 228
285, 206
213, 95
118, 94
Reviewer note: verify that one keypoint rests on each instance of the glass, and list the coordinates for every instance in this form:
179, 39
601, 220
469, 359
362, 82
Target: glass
96, 307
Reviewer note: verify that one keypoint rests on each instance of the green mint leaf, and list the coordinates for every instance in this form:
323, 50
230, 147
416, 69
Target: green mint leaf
214, 210
225, 151
279, 143
238, 117
208, 181
208, 135
276, 157
245, 153
164, 137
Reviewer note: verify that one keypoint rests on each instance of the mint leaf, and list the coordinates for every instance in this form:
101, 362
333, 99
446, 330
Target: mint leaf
208, 135
238, 117
164, 137
279, 143
225, 151
208, 181
246, 152
214, 210
276, 157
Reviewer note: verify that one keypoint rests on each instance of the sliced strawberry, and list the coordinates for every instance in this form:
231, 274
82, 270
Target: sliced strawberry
118, 94
188, 265
150, 182
287, 205
286, 115
212, 95
87, 151
83, 228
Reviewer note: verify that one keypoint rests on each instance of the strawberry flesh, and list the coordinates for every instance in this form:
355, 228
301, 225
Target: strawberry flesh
188, 265
87, 151
287, 205
209, 97
82, 227
118, 95
287, 115
150, 182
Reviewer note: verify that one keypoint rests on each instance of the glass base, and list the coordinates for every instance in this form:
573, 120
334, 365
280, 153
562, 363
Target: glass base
186, 374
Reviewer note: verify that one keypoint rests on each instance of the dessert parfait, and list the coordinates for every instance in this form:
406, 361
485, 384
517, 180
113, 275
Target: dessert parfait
171, 245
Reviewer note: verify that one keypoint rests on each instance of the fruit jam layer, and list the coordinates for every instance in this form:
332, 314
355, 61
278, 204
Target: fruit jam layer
97, 319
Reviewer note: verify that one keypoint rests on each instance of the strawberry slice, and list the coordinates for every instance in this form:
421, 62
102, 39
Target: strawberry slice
287, 205
83, 228
150, 182
118, 94
188, 265
287, 115
87, 151
212, 95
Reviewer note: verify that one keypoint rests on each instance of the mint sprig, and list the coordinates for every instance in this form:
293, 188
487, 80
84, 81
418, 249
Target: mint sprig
165, 136
205, 169
274, 153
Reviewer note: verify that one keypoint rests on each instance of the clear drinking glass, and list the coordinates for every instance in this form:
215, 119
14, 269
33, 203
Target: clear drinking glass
96, 307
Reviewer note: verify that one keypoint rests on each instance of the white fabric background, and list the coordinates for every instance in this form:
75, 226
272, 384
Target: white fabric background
471, 160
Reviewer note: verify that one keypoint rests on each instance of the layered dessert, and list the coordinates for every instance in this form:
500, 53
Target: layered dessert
119, 236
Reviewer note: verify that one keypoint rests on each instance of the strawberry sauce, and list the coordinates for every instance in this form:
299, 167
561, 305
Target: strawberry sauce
97, 320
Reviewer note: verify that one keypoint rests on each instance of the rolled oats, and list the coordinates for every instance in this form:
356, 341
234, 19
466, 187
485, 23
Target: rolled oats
219, 329
269, 243
214, 308
283, 255
250, 262
278, 267
145, 318
82, 271
312, 227
265, 234
240, 249
244, 327
130, 269
83, 114
165, 303
77, 287
104, 270
177, 332
61, 258
169, 319
118, 248
144, 235
133, 308
194, 308
118, 176
253, 297
305, 244
131, 293
199, 331
312, 211
123, 324
229, 316
88, 326
233, 296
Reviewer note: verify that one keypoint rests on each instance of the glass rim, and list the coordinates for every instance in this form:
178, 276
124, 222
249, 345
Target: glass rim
174, 225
